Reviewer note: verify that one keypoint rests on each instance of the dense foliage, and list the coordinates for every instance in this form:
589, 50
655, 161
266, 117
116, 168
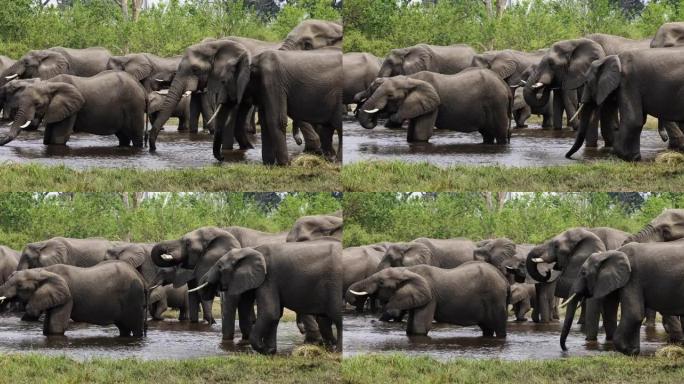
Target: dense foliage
165, 30
522, 217
28, 217
380, 25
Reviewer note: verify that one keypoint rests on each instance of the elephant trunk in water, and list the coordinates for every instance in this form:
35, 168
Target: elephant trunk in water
569, 316
174, 95
585, 113
22, 120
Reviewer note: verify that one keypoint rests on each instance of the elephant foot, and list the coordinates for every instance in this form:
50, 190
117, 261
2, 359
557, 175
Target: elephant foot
243, 341
521, 126
521, 319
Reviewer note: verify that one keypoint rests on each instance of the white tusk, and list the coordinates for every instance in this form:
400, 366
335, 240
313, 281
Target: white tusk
537, 86
198, 288
187, 93
159, 80
576, 113
11, 77
565, 303
166, 257
362, 293
510, 268
164, 92
154, 286
2, 298
523, 82
538, 260
26, 124
372, 111
214, 115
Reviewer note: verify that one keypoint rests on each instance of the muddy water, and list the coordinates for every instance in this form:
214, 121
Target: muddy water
165, 340
527, 340
529, 147
174, 150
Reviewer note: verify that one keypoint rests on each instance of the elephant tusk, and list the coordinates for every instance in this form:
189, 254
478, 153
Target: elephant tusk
11, 77
362, 293
215, 114
154, 286
537, 86
538, 260
2, 298
523, 82
187, 93
510, 268
576, 113
166, 257
159, 80
198, 288
165, 92
567, 301
26, 124
372, 111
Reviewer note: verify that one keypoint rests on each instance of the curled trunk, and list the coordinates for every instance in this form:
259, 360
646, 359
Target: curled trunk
170, 102
531, 98
21, 120
533, 271
569, 316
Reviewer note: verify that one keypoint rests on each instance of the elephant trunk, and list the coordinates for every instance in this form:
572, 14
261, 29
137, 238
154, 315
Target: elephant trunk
22, 120
367, 120
374, 104
172, 99
585, 112
569, 316
289, 44
531, 264
531, 98
167, 254
648, 234
15, 71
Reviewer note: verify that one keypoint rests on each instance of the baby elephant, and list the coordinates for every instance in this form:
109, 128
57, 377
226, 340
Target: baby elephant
474, 100
475, 293
523, 297
155, 101
112, 292
165, 297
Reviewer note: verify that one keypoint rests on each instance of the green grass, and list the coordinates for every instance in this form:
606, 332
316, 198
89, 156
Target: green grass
397, 176
611, 368
308, 177
239, 368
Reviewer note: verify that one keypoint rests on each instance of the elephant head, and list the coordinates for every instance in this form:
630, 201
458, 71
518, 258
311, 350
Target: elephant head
309, 228
502, 63
398, 289
8, 101
412, 99
236, 272
44, 253
50, 102
222, 67
137, 65
368, 120
137, 255
407, 61
405, 255
43, 64
601, 274
668, 226
157, 303
501, 253
38, 289
563, 66
568, 251
313, 34
196, 251
669, 35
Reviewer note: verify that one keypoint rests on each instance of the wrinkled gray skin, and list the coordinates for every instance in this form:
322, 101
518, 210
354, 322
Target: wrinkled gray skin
522, 111
360, 69
669, 35
62, 250
308, 228
475, 293
635, 277
155, 101
305, 277
313, 34
476, 98
423, 57
165, 297
109, 293
368, 120
48, 63
446, 254
110, 103
504, 255
633, 84
8, 101
9, 259
509, 64
668, 226
568, 250
360, 263
152, 71
523, 299
546, 309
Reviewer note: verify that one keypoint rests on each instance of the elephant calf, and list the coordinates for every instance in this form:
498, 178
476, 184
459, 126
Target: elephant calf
155, 101
112, 292
475, 293
523, 298
163, 298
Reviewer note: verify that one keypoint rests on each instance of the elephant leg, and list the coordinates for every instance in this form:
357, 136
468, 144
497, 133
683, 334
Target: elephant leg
325, 326
609, 314
674, 133
124, 140
422, 127
58, 133
195, 111
583, 314
609, 122
207, 111
545, 297
557, 107
57, 319
570, 104
650, 321
207, 311
673, 327
194, 304
523, 307
554, 308
420, 319
246, 315
228, 308
312, 141
632, 312
183, 312
309, 326
243, 125
326, 132
591, 138
273, 118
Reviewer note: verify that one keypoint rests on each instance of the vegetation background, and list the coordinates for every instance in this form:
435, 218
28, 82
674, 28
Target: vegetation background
522, 217
148, 216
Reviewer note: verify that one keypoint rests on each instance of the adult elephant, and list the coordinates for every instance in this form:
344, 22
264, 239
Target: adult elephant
273, 276
150, 70
669, 35
449, 253
634, 84
48, 63
360, 263
521, 111
360, 69
9, 260
63, 250
504, 254
313, 34
5, 62
423, 57
248, 237
111, 103
635, 277
668, 226
444, 295
509, 64
109, 293
477, 98
308, 228
8, 100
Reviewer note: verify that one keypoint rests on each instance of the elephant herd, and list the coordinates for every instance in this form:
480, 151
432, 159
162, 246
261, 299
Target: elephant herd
598, 80
226, 81
105, 282
458, 281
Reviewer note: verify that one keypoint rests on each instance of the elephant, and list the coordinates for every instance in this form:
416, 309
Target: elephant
313, 34
62, 250
446, 254
546, 309
360, 263
669, 35
503, 254
360, 69
5, 62
165, 297
305, 277
9, 260
475, 293
308, 228
69, 104
446, 60
634, 277
523, 298
632, 84
150, 70
155, 101
370, 120
9, 101
475, 98
509, 64
668, 226
112, 292
248, 237
522, 111
48, 63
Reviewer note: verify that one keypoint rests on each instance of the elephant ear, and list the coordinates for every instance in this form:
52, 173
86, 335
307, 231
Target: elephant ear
416, 254
183, 275
52, 64
609, 75
504, 66
249, 271
481, 252
60, 252
422, 99
140, 69
51, 292
614, 271
66, 101
418, 59
134, 256
413, 292
585, 53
